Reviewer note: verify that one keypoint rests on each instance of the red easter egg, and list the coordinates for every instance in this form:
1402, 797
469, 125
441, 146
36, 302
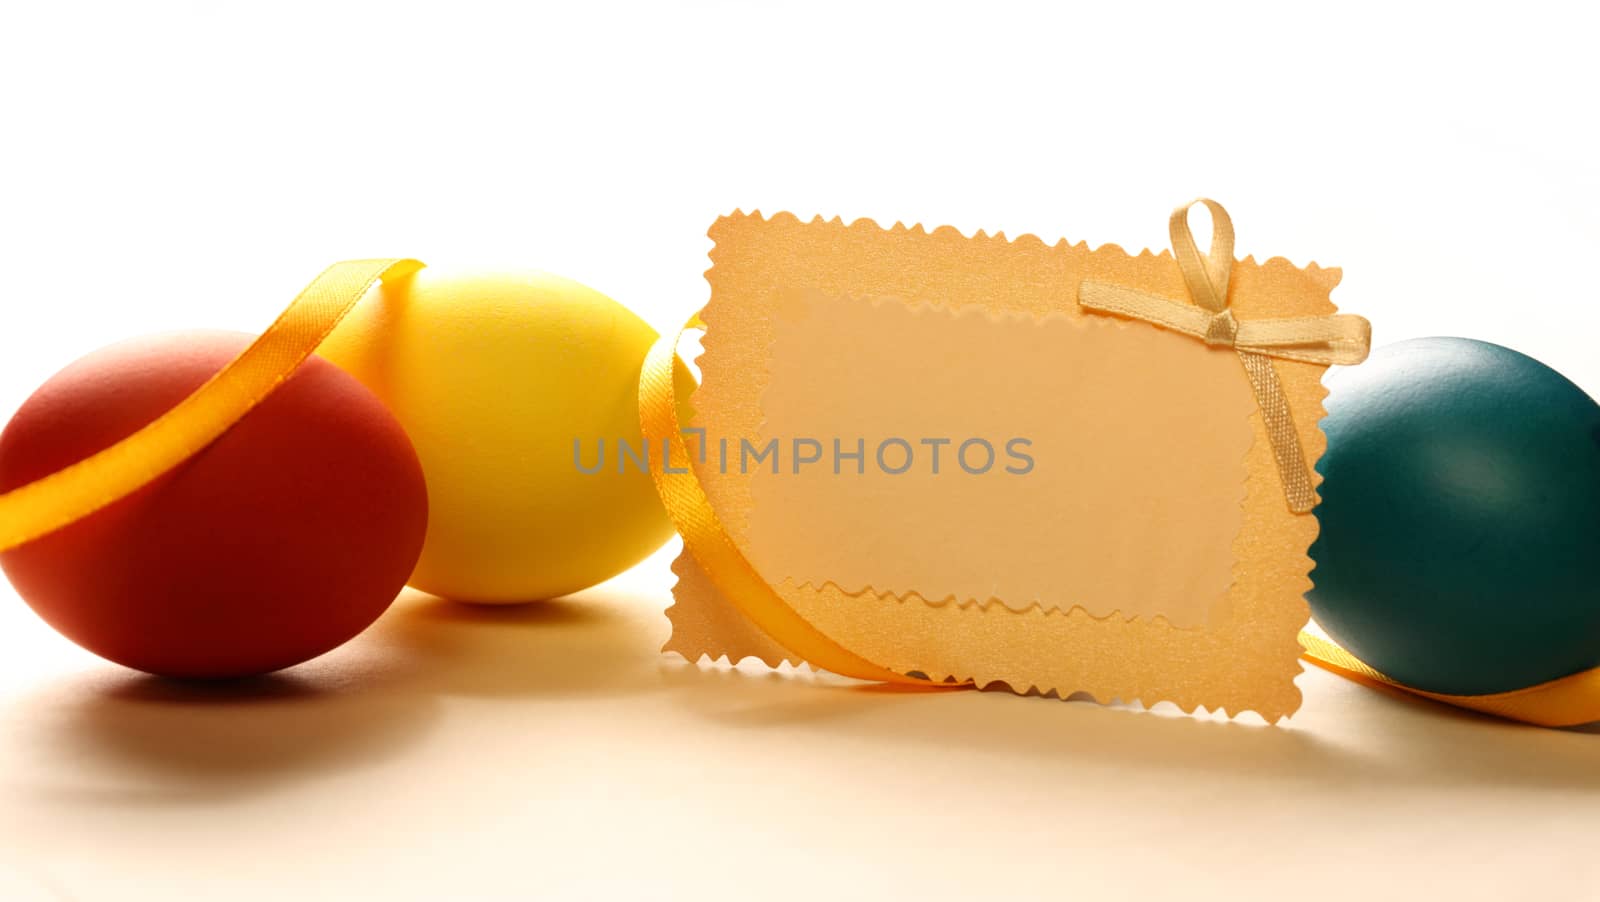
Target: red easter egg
279, 541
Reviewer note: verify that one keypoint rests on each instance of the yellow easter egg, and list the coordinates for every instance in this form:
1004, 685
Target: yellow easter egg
506, 381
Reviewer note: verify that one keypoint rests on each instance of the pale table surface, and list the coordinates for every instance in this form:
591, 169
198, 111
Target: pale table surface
175, 166
551, 751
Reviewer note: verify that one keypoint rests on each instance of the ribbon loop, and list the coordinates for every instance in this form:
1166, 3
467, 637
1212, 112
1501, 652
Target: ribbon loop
1207, 277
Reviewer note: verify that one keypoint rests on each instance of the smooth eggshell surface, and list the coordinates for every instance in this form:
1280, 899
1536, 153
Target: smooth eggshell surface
1460, 518
279, 541
495, 374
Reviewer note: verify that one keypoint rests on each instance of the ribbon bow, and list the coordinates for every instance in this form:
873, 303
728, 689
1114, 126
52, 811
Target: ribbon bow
1325, 340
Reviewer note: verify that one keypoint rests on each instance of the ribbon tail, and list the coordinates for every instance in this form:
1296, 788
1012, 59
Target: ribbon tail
1100, 297
1342, 339
1293, 470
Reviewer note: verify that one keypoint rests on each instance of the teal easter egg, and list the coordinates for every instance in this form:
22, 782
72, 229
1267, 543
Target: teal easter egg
1460, 518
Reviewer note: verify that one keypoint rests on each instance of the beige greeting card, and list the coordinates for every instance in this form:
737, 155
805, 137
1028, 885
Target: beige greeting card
1010, 462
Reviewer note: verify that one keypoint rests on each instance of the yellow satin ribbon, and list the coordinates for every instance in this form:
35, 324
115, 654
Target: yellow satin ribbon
1564, 702
49, 503
707, 540
1341, 339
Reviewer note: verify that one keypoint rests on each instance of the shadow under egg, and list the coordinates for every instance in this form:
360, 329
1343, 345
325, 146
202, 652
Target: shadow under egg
140, 739
597, 643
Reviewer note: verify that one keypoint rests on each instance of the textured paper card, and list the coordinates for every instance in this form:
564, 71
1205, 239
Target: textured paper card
1241, 654
970, 456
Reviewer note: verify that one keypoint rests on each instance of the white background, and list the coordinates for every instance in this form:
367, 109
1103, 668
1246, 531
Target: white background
175, 166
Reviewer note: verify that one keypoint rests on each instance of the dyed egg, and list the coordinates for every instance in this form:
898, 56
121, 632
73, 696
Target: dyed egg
506, 381
1460, 517
282, 539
